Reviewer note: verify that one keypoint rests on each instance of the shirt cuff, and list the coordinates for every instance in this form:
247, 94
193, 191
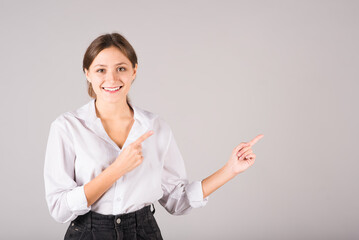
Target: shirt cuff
195, 194
77, 201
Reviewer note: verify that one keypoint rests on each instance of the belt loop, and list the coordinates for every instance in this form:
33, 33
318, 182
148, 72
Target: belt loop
137, 219
90, 220
153, 211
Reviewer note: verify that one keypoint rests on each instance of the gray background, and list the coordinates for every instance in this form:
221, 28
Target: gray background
219, 72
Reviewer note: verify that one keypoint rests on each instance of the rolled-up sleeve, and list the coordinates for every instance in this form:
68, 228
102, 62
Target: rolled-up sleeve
180, 196
65, 199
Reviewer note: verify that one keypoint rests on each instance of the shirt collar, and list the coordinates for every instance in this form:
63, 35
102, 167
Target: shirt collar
88, 113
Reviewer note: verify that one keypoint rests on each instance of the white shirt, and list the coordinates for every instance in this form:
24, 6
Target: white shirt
78, 149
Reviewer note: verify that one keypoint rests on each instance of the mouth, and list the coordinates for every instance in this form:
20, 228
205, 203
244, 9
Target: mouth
112, 89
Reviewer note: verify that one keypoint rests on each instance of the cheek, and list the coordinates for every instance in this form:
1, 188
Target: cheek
126, 79
128, 85
96, 82
95, 86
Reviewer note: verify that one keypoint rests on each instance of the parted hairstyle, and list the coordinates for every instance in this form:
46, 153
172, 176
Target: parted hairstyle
106, 41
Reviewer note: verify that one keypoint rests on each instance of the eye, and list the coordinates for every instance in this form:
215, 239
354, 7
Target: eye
121, 68
100, 70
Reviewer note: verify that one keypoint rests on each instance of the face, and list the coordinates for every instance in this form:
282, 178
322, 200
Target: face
111, 75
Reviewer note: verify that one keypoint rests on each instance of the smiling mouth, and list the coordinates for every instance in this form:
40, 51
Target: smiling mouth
112, 89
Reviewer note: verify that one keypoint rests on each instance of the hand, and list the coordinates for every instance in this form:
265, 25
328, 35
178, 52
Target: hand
131, 156
242, 156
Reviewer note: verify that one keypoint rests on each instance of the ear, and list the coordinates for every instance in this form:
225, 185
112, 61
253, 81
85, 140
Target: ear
87, 75
134, 71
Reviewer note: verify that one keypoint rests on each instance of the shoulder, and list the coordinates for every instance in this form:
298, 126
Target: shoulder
71, 118
153, 120
162, 130
144, 113
63, 124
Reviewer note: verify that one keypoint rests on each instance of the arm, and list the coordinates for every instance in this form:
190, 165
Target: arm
215, 181
101, 183
241, 159
129, 159
65, 198
179, 195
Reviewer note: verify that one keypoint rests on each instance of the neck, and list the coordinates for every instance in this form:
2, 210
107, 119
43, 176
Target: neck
113, 111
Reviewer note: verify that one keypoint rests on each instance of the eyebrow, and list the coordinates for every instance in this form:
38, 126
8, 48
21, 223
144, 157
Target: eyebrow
106, 65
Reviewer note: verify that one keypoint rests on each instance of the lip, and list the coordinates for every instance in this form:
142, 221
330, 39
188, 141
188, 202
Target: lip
103, 88
112, 87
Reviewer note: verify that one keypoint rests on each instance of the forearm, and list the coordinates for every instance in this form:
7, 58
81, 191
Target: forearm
216, 180
101, 183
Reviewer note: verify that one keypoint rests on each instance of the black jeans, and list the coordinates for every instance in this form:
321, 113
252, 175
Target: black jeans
140, 224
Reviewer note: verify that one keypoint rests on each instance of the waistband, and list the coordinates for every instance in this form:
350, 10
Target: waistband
96, 220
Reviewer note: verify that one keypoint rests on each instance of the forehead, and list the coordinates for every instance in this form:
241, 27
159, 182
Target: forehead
109, 55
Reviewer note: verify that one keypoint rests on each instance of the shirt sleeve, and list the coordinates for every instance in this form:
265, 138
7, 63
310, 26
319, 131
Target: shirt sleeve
65, 199
180, 196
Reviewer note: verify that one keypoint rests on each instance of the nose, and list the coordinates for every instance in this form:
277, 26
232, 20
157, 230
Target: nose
112, 76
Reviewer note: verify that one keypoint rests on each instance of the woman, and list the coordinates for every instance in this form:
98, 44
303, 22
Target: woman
108, 161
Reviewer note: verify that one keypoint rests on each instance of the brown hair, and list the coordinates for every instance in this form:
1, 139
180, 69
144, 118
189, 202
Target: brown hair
106, 41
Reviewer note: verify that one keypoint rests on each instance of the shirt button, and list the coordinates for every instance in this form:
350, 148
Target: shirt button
118, 221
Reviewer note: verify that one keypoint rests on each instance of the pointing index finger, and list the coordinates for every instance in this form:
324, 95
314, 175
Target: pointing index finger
143, 137
255, 140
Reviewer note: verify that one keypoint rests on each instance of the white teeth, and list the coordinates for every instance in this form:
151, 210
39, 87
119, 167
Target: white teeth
111, 89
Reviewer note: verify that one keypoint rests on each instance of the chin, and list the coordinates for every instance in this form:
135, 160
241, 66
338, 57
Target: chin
116, 99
